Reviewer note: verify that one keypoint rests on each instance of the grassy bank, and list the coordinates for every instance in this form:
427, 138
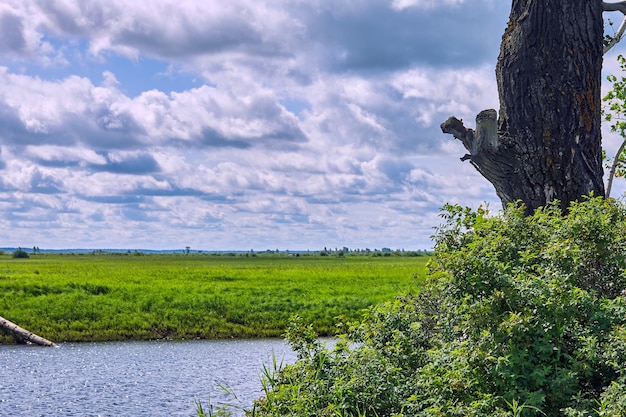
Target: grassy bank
117, 297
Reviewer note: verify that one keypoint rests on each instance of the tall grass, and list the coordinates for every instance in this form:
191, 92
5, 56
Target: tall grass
106, 297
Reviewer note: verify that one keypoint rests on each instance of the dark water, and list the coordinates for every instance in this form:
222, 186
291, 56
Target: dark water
132, 378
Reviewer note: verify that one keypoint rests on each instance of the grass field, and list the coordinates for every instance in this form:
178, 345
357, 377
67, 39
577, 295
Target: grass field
119, 297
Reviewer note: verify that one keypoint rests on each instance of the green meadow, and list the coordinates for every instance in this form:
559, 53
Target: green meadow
102, 297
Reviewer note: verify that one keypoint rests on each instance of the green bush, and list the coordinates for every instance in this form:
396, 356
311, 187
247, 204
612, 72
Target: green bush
521, 316
20, 254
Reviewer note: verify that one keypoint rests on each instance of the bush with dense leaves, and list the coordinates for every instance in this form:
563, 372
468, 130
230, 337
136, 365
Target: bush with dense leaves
521, 316
20, 254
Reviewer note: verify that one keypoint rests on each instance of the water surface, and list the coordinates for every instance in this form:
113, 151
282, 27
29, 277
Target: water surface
132, 378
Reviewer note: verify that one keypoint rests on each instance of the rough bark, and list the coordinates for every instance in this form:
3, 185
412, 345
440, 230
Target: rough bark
547, 144
24, 335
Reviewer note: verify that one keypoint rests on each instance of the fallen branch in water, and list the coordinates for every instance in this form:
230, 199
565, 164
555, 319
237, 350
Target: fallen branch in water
23, 334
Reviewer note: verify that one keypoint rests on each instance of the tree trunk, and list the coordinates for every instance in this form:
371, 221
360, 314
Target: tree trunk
546, 144
24, 335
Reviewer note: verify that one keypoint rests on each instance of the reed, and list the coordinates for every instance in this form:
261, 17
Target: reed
101, 297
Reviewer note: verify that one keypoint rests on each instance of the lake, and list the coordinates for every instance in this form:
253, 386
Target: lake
133, 378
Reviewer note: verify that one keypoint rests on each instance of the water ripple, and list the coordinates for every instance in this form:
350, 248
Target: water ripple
132, 378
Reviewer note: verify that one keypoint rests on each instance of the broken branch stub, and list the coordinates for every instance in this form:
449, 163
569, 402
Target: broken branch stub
475, 141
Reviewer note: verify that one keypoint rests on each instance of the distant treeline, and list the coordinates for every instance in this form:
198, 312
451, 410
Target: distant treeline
139, 252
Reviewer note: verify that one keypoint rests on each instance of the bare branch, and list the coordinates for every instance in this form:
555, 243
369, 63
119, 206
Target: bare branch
455, 127
485, 137
23, 334
615, 38
616, 160
614, 7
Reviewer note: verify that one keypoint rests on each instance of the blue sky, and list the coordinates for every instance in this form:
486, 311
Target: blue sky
240, 124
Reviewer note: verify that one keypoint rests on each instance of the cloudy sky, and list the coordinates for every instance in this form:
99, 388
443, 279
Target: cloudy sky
239, 124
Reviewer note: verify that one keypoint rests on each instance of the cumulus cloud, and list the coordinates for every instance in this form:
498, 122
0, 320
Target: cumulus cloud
74, 111
288, 123
168, 29
377, 36
11, 33
425, 4
434, 93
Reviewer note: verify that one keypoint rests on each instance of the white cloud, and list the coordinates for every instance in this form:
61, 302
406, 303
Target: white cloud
425, 4
462, 93
204, 116
308, 123
166, 28
62, 154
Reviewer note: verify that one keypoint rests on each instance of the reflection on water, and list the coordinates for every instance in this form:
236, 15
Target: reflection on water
132, 378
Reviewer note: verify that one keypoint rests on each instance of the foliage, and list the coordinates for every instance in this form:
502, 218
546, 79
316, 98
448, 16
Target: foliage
98, 297
20, 254
615, 99
615, 113
223, 411
521, 316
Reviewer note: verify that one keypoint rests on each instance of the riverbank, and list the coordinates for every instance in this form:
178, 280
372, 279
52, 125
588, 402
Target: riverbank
107, 297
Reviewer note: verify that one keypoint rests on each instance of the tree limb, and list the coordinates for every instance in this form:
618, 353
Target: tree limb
475, 141
614, 7
616, 38
616, 161
455, 127
23, 334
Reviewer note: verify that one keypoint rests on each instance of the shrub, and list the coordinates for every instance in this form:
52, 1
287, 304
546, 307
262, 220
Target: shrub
521, 316
20, 253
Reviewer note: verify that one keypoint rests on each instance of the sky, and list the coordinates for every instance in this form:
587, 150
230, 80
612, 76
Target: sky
241, 124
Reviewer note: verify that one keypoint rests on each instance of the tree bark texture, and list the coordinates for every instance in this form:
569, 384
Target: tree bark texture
546, 143
24, 335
